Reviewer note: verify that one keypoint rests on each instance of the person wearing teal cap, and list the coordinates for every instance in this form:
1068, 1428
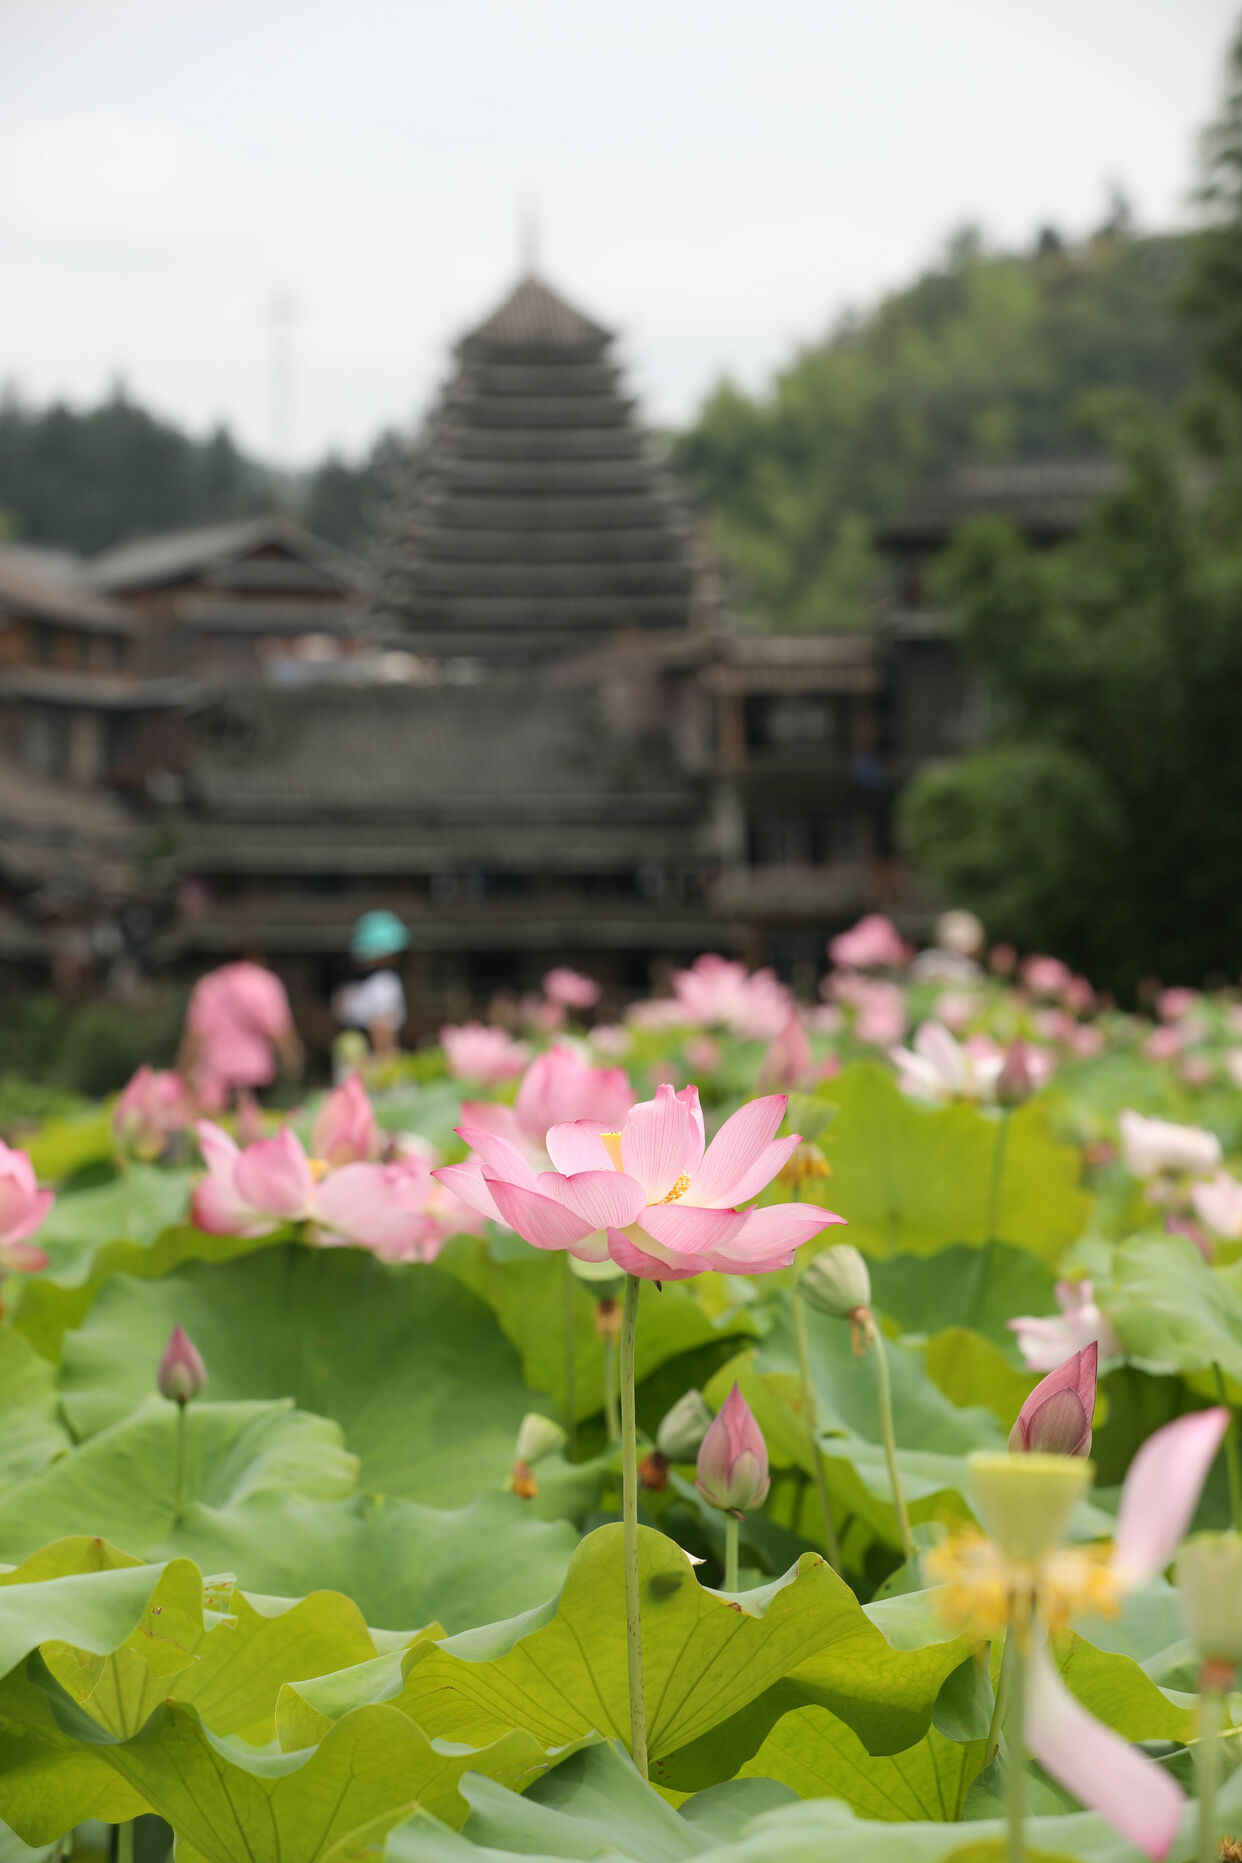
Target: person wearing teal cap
375, 1002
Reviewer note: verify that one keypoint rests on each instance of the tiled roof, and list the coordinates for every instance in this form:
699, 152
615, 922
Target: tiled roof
534, 313
51, 588
178, 555
1045, 498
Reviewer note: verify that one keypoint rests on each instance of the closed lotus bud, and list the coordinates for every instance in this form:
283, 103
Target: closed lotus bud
1024, 1501
182, 1373
836, 1282
732, 1472
1015, 1082
683, 1428
1209, 1579
538, 1437
804, 1163
1056, 1417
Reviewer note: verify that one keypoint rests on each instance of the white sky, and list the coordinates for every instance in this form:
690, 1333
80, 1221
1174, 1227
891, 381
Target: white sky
716, 178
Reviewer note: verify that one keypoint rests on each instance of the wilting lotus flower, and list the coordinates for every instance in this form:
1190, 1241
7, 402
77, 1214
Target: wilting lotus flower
570, 988
181, 1373
346, 1130
23, 1207
983, 1577
940, 1068
1056, 1417
650, 1195
1150, 1146
873, 944
1046, 1343
732, 1470
1218, 1203
481, 1054
149, 1110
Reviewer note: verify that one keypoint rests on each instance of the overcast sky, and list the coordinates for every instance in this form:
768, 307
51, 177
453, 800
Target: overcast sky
717, 179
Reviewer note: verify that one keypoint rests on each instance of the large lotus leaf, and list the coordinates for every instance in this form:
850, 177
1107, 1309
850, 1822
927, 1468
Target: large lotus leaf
51, 1304
981, 1288
912, 1181
816, 1753
1174, 1311
49, 1781
134, 1206
970, 1370
526, 1293
230, 1803
62, 1146
122, 1483
1118, 1692
33, 1433
411, 1364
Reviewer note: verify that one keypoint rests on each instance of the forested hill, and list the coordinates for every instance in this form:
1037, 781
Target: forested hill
984, 356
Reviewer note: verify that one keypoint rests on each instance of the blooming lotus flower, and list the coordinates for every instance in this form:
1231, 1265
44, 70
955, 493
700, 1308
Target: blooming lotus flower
251, 1192
570, 989
650, 1195
484, 1055
873, 944
880, 1014
788, 1061
346, 1130
1218, 1203
1152, 1146
1046, 976
982, 1577
149, 1110
397, 1210
23, 1207
1173, 1004
1056, 1417
732, 1469
1045, 1343
940, 1068
181, 1373
716, 992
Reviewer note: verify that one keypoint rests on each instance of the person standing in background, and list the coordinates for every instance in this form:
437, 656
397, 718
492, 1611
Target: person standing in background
375, 1003
238, 1031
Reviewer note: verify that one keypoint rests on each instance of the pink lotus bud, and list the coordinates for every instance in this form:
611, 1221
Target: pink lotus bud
346, 1131
182, 1373
732, 1469
149, 1111
1056, 1417
1015, 1082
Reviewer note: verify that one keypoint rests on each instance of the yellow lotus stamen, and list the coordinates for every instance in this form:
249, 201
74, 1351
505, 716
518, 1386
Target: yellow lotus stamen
319, 1168
611, 1141
679, 1188
986, 1592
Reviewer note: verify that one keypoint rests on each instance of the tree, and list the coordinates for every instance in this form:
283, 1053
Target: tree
1213, 290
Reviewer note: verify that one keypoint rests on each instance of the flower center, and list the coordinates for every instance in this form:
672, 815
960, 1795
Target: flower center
319, 1168
986, 1593
611, 1142
679, 1188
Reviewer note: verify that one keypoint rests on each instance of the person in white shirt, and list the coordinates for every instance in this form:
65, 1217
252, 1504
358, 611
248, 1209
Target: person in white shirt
375, 1002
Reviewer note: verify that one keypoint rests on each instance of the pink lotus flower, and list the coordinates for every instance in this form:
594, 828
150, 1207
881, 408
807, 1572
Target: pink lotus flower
1164, 1044
732, 1469
1101, 1769
1152, 1146
570, 988
481, 1054
955, 1008
1046, 976
788, 1061
1218, 1203
651, 1196
346, 1130
1045, 1343
1056, 1417
873, 944
718, 993
181, 1373
940, 1068
880, 1014
251, 1192
1173, 1004
704, 1053
23, 1206
149, 1110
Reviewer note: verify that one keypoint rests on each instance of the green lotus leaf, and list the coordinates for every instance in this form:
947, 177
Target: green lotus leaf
33, 1433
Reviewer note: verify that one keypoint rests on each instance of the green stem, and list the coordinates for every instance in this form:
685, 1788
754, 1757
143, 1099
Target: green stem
884, 1392
1000, 1706
1233, 1464
1207, 1760
125, 1842
730, 1572
179, 1491
810, 1418
1015, 1781
567, 1323
987, 1254
629, 1515
612, 1417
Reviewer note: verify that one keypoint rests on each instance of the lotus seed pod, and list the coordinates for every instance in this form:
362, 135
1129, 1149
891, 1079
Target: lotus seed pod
1024, 1501
1209, 1580
683, 1428
538, 1436
181, 1374
836, 1282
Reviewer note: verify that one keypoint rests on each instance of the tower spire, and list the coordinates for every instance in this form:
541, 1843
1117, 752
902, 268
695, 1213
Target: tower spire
528, 241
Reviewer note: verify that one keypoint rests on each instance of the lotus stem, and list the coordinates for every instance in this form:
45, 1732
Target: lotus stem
612, 1417
571, 1381
1207, 1763
732, 1525
884, 1392
1000, 1706
987, 1254
182, 1458
811, 1419
629, 1515
1233, 1464
1015, 1729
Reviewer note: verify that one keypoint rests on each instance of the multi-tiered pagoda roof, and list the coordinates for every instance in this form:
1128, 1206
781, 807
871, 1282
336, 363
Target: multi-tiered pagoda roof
536, 521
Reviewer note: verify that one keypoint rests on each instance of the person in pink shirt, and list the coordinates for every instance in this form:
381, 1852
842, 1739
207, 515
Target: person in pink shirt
238, 1029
